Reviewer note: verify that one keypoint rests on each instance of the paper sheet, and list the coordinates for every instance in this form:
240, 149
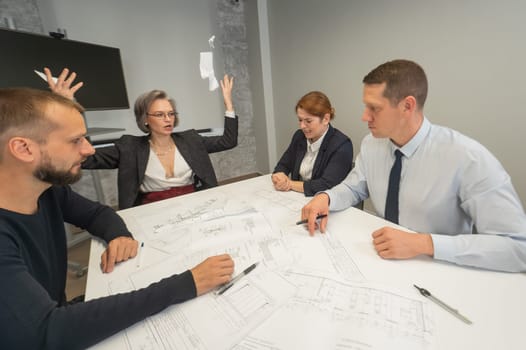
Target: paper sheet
43, 76
332, 259
328, 314
206, 66
230, 316
330, 306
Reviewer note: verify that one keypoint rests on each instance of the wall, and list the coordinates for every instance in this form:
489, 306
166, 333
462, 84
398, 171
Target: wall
470, 51
473, 53
256, 87
232, 40
160, 41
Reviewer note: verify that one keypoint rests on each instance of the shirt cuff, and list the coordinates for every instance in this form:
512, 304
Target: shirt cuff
443, 247
230, 114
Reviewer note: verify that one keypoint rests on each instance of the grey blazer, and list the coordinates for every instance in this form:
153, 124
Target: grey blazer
130, 155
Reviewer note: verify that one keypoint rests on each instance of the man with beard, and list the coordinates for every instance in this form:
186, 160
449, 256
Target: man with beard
42, 146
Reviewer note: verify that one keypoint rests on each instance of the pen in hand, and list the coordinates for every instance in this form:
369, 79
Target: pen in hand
227, 286
304, 221
443, 305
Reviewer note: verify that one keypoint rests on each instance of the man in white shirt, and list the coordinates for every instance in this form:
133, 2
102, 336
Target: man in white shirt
448, 184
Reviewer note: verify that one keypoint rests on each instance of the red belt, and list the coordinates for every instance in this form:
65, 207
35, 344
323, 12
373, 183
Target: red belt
150, 197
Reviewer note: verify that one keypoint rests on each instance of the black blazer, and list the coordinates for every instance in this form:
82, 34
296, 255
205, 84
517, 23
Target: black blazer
130, 155
333, 163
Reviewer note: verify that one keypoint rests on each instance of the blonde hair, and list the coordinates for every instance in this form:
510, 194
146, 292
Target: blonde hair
23, 113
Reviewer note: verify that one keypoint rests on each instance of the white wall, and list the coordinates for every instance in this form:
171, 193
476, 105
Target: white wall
474, 54
160, 42
261, 115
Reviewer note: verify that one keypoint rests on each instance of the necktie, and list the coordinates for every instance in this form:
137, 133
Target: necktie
391, 203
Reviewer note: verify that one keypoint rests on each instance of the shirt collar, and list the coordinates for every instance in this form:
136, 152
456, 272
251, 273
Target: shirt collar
409, 148
315, 146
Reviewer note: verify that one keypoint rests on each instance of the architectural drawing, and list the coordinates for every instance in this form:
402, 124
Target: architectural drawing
331, 257
230, 316
328, 314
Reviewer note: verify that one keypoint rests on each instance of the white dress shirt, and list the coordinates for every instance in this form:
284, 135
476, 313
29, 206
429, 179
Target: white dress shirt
449, 183
307, 163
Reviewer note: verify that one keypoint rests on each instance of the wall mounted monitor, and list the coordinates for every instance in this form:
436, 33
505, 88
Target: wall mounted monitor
99, 67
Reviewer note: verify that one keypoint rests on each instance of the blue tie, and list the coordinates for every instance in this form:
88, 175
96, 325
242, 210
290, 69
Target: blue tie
391, 203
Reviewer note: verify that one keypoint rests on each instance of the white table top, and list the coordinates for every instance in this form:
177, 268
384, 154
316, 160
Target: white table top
494, 301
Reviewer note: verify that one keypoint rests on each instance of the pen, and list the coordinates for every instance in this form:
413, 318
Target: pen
443, 305
140, 254
304, 221
227, 286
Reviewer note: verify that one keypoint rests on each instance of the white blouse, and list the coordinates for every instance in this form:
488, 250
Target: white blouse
155, 176
307, 164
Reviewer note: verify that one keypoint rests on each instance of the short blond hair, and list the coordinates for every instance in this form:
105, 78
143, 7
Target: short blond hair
23, 113
143, 103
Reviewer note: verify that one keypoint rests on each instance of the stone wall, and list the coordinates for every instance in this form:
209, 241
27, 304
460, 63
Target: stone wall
22, 13
232, 40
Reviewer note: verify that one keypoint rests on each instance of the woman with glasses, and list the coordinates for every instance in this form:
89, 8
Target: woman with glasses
319, 156
162, 164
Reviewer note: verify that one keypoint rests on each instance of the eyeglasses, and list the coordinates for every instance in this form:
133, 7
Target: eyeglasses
160, 115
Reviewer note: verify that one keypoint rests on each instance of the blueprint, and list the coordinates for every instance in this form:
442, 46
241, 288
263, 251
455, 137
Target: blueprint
167, 221
281, 199
229, 317
321, 254
327, 314
309, 286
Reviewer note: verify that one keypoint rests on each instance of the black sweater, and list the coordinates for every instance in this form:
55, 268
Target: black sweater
33, 267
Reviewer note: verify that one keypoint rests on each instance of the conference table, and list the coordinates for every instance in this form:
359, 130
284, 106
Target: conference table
328, 291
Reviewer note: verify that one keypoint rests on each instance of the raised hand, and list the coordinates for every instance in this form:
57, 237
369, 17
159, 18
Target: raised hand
63, 85
226, 86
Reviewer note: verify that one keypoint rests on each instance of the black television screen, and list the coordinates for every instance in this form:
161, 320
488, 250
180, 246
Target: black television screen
99, 67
